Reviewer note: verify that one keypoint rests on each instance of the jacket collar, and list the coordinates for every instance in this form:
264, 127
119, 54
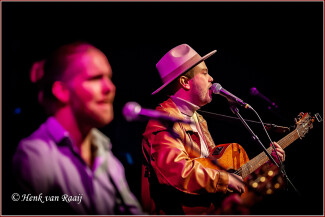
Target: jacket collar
185, 107
172, 109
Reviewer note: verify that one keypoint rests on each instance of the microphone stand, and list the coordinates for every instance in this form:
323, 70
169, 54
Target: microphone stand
235, 110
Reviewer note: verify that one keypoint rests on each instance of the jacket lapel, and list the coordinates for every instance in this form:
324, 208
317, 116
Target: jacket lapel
206, 133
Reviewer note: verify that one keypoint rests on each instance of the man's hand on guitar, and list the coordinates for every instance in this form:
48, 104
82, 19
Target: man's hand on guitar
236, 183
280, 152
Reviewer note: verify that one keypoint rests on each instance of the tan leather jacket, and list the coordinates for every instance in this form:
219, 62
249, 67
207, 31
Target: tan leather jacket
173, 181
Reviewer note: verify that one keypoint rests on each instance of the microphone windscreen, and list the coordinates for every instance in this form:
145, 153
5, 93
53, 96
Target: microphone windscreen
253, 91
131, 111
216, 87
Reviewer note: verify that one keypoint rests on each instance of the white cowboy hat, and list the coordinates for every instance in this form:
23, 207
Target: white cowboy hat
176, 62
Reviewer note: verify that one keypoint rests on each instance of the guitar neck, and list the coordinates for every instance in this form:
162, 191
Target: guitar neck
262, 158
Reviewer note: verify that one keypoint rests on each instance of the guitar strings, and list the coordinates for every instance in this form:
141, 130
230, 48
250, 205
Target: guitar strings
291, 137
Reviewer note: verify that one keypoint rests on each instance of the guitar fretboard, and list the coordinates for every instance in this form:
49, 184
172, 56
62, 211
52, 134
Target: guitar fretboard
262, 158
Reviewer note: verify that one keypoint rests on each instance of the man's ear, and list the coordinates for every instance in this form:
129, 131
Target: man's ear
61, 92
185, 82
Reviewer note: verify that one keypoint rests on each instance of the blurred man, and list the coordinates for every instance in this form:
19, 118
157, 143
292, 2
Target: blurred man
67, 156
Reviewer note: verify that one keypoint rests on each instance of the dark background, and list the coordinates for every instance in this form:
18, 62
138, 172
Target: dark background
276, 47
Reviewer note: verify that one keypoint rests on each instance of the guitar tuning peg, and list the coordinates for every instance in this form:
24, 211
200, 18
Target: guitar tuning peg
296, 120
318, 117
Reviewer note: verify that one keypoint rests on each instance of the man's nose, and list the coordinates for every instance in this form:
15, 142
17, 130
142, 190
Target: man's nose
108, 85
211, 79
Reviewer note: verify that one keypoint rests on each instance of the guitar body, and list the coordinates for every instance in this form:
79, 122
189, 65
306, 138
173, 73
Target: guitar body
229, 157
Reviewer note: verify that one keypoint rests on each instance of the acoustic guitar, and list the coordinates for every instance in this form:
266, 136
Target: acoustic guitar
233, 158
260, 178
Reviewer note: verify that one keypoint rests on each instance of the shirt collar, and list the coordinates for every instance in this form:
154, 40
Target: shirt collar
56, 130
58, 134
184, 106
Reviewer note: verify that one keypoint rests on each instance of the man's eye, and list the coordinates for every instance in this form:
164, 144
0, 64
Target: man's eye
95, 77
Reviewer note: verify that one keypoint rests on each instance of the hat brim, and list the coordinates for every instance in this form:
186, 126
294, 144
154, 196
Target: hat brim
191, 66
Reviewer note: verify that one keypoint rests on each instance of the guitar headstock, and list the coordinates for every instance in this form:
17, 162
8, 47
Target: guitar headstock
304, 122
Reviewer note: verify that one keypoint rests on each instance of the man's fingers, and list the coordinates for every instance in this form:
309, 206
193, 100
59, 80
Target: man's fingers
279, 151
280, 154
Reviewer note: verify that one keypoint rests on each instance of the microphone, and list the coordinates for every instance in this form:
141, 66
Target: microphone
132, 111
217, 89
254, 92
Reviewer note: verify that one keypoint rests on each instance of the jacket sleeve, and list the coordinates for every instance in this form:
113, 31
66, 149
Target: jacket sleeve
173, 166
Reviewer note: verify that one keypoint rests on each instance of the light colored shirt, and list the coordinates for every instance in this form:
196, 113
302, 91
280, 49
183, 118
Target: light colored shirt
188, 110
47, 162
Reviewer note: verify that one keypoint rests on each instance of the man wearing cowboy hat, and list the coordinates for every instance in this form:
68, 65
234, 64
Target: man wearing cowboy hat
173, 179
